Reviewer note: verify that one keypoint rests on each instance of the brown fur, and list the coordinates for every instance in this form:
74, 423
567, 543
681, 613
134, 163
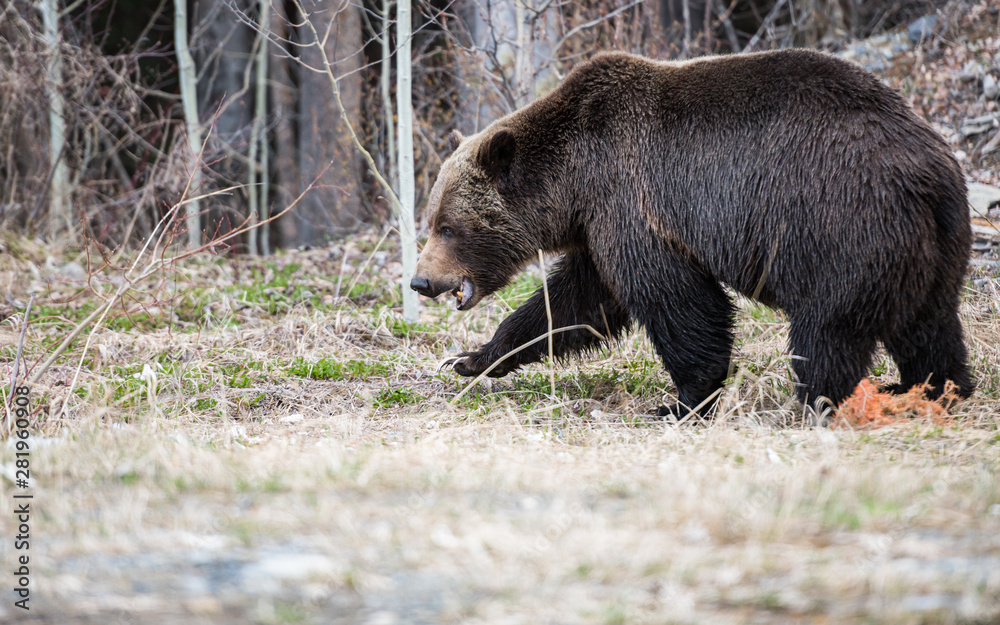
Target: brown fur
792, 177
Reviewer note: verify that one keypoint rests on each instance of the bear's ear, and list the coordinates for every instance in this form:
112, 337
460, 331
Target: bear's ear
496, 154
455, 139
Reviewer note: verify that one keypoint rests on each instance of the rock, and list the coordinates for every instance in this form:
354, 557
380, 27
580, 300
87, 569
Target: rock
876, 53
273, 569
922, 29
990, 87
981, 198
971, 71
979, 125
71, 272
382, 617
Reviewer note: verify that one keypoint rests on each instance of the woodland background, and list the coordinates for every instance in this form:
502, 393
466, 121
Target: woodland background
119, 158
239, 427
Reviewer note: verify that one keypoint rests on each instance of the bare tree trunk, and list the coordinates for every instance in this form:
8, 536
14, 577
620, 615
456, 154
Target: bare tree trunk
257, 134
404, 99
474, 25
224, 55
59, 210
687, 26
325, 151
265, 157
284, 108
390, 124
734, 42
708, 26
189, 96
524, 66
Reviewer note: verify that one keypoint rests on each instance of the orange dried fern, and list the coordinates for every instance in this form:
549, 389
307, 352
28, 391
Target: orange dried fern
869, 409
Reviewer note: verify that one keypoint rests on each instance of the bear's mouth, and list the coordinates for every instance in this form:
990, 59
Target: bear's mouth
465, 294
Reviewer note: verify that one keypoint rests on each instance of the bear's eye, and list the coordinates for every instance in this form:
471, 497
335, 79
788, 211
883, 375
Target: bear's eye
447, 232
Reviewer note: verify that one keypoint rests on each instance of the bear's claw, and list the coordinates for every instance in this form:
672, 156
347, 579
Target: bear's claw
470, 364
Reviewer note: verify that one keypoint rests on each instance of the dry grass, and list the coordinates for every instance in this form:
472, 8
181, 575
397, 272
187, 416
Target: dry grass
289, 456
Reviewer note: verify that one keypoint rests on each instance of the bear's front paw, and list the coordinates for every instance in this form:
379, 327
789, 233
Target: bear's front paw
472, 364
677, 412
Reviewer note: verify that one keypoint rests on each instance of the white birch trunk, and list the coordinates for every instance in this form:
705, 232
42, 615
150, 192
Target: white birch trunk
390, 124
59, 210
189, 96
265, 145
404, 104
257, 136
524, 65
686, 7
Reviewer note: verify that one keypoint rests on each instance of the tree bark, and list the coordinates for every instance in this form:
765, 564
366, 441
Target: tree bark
524, 65
387, 112
258, 135
326, 155
60, 215
224, 47
686, 8
265, 158
189, 96
404, 98
285, 109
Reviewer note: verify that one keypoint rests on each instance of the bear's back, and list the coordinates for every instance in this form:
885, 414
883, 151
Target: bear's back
794, 154
734, 87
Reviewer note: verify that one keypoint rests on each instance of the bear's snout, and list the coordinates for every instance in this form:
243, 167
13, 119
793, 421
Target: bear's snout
422, 285
463, 288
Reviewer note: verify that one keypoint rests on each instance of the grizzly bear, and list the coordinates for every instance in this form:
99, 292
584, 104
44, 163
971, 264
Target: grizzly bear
792, 177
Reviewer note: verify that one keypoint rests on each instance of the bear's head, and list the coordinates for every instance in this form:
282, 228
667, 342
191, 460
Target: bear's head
485, 217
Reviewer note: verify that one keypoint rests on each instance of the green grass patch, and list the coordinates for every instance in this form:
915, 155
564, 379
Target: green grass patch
187, 308
762, 314
204, 405
131, 477
373, 291
408, 329
128, 388
399, 396
532, 389
329, 369
520, 289
243, 374
67, 314
274, 300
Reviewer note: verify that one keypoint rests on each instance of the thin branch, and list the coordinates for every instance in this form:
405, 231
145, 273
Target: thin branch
548, 316
155, 264
765, 25
20, 347
397, 206
592, 23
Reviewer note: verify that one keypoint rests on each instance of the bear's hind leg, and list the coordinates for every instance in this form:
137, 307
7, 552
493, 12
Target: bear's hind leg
931, 349
830, 356
577, 296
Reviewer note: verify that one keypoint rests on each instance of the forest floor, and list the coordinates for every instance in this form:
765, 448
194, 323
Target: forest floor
265, 441
256, 448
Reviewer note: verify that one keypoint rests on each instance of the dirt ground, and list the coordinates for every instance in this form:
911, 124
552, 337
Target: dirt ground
266, 442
